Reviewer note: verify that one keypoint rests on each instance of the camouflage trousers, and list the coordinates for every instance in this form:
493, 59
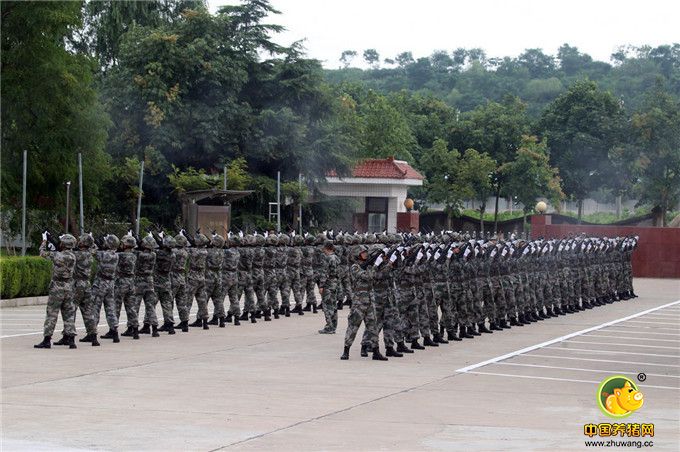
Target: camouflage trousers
473, 306
408, 310
307, 282
458, 303
213, 291
509, 289
103, 293
284, 286
178, 283
381, 302
163, 289
230, 289
423, 293
60, 300
498, 297
344, 288
125, 295
259, 287
362, 311
245, 288
431, 308
393, 324
485, 294
442, 300
82, 298
145, 293
196, 289
293, 275
568, 294
329, 306
271, 287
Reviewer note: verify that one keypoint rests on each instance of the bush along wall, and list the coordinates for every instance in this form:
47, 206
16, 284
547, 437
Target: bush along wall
24, 276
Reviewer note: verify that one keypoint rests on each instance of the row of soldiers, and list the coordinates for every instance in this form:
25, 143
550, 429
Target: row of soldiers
407, 286
449, 286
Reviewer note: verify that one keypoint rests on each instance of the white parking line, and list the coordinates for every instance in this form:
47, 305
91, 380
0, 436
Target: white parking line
583, 370
558, 379
654, 323
623, 345
598, 360
655, 328
612, 352
641, 332
634, 338
562, 338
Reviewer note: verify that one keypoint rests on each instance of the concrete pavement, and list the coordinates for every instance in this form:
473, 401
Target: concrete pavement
280, 386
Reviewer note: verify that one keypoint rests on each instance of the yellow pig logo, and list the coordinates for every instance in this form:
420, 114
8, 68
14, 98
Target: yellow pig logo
619, 396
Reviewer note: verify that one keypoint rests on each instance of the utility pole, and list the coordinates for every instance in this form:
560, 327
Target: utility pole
300, 203
23, 208
225, 177
139, 198
80, 186
68, 202
278, 201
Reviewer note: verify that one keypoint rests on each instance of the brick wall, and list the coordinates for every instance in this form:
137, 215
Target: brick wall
657, 254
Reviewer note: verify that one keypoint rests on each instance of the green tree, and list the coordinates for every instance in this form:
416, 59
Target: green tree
347, 57
49, 107
479, 170
385, 131
656, 133
529, 175
372, 58
582, 125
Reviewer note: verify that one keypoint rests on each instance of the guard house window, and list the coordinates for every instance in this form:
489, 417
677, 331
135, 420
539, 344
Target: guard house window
376, 208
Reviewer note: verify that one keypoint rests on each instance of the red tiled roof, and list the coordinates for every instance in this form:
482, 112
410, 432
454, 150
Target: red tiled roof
383, 169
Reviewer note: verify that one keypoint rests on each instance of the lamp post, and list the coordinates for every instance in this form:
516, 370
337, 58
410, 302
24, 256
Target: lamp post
68, 199
541, 207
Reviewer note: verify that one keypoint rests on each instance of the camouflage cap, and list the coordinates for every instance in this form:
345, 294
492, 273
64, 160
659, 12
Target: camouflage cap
169, 241
181, 241
298, 240
284, 239
339, 239
217, 241
149, 243
86, 241
111, 242
272, 240
201, 240
357, 250
310, 239
67, 241
259, 240
128, 241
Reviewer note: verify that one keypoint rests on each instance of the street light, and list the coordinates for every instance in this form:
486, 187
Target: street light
541, 207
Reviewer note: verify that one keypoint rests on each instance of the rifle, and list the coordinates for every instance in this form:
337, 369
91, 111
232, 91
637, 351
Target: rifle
52, 240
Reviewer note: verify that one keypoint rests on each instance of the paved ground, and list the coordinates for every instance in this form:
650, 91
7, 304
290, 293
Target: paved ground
281, 386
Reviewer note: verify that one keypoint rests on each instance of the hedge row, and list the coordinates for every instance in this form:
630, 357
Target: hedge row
24, 276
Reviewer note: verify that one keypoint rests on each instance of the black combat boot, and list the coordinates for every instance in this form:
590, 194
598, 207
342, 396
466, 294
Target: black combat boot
146, 329
204, 324
115, 337
62, 341
237, 322
481, 326
267, 317
258, 314
282, 309
46, 343
340, 304
390, 351
183, 325
286, 311
439, 339
377, 356
503, 324
95, 342
108, 335
222, 322
214, 321
453, 336
429, 342
493, 326
298, 309
244, 316
276, 313
541, 314
135, 333
308, 307
472, 329
345, 354
127, 332
364, 351
314, 309
464, 333
402, 348
197, 324
169, 327
415, 345
229, 317
514, 321
163, 328
72, 342
154, 331
252, 318
88, 338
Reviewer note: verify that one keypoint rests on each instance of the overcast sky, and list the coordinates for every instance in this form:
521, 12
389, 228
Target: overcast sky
500, 27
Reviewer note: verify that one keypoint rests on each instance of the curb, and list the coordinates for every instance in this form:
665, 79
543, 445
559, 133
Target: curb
26, 301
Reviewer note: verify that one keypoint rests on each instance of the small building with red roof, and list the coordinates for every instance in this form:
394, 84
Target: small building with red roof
378, 188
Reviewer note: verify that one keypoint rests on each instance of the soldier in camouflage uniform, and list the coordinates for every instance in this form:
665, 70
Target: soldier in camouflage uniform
198, 256
381, 288
328, 285
293, 266
144, 287
270, 275
213, 280
257, 273
230, 279
307, 280
455, 278
82, 294
104, 285
125, 283
281, 274
405, 280
245, 278
362, 309
61, 292
178, 281
162, 280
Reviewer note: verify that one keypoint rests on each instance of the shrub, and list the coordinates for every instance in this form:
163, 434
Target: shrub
24, 276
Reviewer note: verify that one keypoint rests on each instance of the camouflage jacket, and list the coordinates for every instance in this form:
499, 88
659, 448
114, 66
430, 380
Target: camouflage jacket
127, 261
63, 263
107, 264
